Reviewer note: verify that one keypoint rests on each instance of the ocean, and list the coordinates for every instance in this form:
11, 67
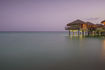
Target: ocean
50, 51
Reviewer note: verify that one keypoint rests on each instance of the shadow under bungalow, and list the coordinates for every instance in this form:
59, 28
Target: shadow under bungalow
79, 27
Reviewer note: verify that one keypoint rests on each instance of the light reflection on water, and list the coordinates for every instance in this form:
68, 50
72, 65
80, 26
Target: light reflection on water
51, 51
103, 50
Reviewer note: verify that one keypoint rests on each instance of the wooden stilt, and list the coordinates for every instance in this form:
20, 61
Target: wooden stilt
88, 32
73, 33
99, 33
82, 32
78, 32
93, 33
69, 32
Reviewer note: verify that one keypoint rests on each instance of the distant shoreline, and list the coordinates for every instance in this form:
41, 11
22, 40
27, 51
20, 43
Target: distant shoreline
29, 31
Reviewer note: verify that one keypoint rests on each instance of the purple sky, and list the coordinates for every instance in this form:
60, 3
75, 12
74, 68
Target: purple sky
48, 15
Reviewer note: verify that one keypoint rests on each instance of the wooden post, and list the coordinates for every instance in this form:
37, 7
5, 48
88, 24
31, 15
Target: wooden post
69, 32
88, 32
93, 33
78, 32
99, 33
82, 32
73, 33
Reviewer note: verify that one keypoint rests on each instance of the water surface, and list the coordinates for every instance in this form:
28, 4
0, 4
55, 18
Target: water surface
50, 51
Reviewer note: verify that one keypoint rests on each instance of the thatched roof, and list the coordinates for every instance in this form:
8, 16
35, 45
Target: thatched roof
99, 25
89, 23
103, 21
76, 22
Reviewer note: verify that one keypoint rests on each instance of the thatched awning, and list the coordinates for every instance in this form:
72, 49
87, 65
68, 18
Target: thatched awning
76, 22
103, 21
89, 23
99, 25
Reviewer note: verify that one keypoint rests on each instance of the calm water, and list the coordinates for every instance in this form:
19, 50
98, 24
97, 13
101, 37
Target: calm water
50, 51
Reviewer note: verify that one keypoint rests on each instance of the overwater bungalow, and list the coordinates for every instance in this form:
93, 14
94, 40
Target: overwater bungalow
103, 22
79, 27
